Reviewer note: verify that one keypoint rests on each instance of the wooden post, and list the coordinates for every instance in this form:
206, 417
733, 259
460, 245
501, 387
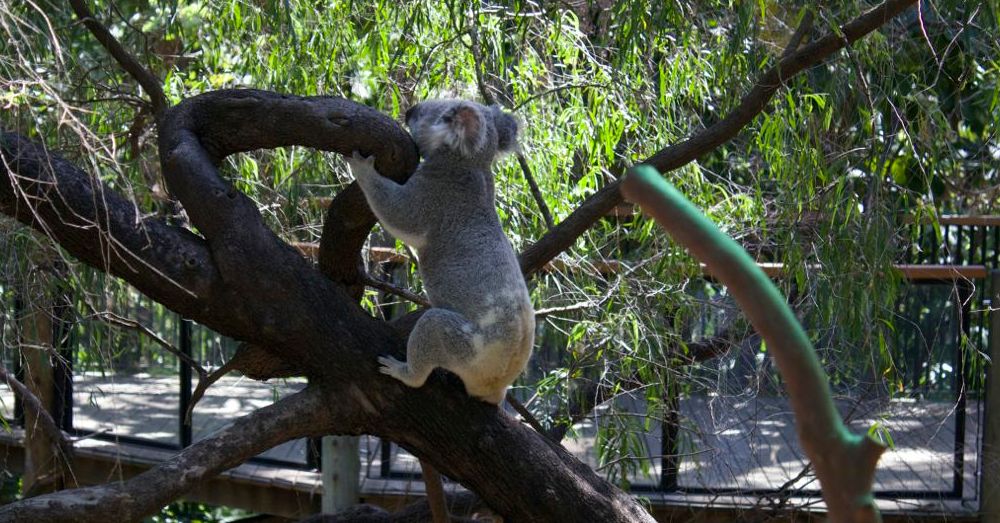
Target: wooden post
341, 467
989, 498
43, 471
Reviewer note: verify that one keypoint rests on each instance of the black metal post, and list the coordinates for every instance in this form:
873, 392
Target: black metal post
670, 461
964, 289
62, 337
185, 396
18, 368
314, 453
958, 245
386, 465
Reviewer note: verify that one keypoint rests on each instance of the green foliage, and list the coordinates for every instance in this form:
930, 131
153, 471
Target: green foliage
10, 487
188, 512
904, 123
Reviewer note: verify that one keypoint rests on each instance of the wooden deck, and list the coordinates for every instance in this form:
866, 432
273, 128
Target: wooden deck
727, 442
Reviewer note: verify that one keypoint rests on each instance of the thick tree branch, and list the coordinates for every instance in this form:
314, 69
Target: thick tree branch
307, 413
544, 483
149, 82
597, 205
287, 292
202, 130
103, 229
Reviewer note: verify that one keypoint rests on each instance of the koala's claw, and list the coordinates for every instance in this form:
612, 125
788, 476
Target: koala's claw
390, 366
357, 157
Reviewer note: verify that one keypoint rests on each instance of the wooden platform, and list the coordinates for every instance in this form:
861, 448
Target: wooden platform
727, 443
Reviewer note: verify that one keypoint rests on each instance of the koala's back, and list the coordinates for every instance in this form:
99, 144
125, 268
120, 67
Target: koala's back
466, 261
469, 266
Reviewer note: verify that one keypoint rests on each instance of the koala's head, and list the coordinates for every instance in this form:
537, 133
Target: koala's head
466, 129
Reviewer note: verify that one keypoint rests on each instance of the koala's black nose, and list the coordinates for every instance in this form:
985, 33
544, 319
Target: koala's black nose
411, 113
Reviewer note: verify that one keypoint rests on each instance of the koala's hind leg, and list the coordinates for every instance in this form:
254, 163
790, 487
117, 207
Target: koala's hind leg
441, 338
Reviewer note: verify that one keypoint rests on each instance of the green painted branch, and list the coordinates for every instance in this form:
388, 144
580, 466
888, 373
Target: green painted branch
845, 462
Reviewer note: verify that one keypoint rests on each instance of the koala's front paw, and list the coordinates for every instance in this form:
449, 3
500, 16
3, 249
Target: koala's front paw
361, 165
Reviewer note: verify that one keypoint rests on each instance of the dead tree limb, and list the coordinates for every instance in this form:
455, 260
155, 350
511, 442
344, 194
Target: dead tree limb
43, 417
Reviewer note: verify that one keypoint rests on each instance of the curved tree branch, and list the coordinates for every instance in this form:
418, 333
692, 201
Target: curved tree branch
198, 133
845, 462
149, 82
307, 413
562, 236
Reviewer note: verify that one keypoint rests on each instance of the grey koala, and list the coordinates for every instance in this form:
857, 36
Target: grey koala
481, 325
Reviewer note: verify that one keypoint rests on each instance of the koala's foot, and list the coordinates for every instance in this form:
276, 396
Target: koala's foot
400, 370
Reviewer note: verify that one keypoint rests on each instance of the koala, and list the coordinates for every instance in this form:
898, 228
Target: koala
481, 325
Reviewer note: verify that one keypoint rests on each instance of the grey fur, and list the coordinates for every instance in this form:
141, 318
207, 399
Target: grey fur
481, 324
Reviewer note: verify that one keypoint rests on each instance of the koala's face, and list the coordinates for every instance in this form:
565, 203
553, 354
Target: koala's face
467, 129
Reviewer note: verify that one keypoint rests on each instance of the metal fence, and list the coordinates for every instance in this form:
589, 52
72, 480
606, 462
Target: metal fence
721, 441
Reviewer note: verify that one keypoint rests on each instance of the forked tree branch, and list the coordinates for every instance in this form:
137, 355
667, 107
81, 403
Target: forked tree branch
306, 413
562, 236
149, 82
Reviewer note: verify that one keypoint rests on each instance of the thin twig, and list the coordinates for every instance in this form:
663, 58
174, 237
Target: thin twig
128, 323
385, 286
436, 499
526, 414
478, 64
488, 97
535, 191
800, 32
565, 87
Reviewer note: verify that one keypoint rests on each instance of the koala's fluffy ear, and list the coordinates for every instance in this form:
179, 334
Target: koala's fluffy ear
464, 128
507, 130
